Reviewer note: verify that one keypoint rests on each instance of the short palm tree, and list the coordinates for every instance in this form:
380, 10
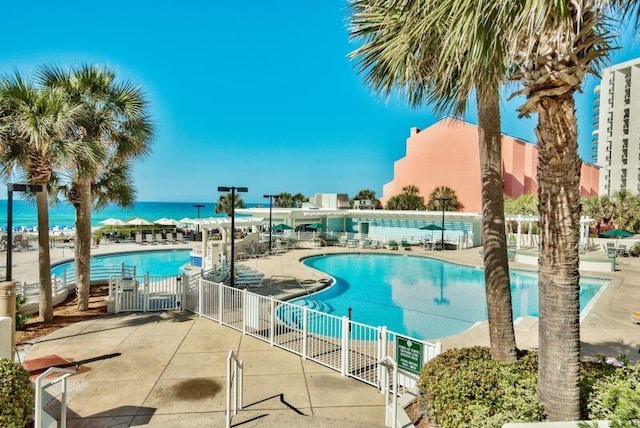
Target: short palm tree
409, 199
411, 46
443, 195
37, 134
284, 200
227, 204
115, 130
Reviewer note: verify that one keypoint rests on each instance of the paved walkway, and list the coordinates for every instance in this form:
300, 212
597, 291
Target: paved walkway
171, 372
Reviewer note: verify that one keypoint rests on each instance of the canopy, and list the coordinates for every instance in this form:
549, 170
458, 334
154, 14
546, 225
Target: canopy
137, 221
280, 227
617, 233
432, 227
316, 226
112, 222
167, 222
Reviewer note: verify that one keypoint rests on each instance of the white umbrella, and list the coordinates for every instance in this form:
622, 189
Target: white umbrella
167, 221
137, 221
112, 222
187, 220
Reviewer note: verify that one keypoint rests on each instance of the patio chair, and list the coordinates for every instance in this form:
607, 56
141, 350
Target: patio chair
621, 250
160, 239
391, 245
405, 245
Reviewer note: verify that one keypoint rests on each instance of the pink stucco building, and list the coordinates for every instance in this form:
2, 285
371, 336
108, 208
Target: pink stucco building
446, 154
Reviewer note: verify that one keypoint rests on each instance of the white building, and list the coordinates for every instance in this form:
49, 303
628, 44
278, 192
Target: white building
616, 135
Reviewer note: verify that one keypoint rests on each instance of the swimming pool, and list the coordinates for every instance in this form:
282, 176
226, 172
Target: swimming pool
417, 296
157, 263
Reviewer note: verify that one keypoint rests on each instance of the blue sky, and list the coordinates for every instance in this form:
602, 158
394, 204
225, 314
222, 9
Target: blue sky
247, 93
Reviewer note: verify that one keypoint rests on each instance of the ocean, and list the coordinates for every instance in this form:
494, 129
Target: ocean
63, 215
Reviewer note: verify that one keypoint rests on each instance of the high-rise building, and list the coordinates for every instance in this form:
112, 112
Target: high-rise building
616, 134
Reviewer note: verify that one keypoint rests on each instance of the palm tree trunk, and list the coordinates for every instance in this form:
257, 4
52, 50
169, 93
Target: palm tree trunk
45, 300
496, 265
559, 198
83, 243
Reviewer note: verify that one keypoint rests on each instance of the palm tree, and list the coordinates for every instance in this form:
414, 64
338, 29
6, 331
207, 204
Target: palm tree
225, 204
409, 199
299, 199
37, 132
284, 200
115, 129
367, 195
412, 46
443, 194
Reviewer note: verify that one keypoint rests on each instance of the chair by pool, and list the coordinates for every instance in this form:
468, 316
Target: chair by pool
392, 244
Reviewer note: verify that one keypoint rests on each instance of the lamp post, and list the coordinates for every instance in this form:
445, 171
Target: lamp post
442, 203
270, 211
233, 190
11, 187
197, 206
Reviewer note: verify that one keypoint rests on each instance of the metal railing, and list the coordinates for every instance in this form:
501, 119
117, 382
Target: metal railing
43, 381
234, 387
349, 347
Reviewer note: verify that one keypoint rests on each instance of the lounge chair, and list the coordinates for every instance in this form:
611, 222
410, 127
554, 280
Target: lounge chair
171, 238
139, 240
405, 245
148, 238
392, 245
160, 239
180, 238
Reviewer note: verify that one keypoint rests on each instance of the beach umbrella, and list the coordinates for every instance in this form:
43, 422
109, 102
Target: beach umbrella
167, 222
432, 227
112, 222
137, 221
316, 226
187, 220
280, 227
617, 233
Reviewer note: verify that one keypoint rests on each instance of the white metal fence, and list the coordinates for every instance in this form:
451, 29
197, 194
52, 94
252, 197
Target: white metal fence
146, 293
352, 348
349, 347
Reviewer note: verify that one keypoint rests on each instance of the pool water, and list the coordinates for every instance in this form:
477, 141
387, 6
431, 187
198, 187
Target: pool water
157, 263
418, 296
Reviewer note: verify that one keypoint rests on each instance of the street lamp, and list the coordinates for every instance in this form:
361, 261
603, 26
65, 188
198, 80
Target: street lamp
270, 208
233, 190
197, 206
11, 187
443, 204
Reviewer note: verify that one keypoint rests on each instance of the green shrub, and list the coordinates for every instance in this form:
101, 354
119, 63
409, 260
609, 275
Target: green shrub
465, 387
16, 395
21, 319
616, 396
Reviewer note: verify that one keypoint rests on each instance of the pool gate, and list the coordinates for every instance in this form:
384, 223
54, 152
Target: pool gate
352, 348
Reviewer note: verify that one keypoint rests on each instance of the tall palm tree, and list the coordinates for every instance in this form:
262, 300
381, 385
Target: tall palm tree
38, 133
226, 203
412, 47
115, 128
